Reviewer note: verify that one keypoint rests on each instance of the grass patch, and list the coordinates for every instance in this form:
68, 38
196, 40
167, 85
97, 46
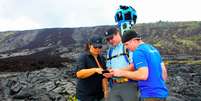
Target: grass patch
8, 33
72, 98
5, 34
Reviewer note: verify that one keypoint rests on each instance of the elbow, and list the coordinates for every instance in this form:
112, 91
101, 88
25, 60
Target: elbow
143, 74
144, 77
165, 79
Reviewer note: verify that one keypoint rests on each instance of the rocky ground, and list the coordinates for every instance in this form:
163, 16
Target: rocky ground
58, 84
184, 82
48, 84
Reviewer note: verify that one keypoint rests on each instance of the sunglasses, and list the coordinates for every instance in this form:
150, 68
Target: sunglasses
98, 47
110, 38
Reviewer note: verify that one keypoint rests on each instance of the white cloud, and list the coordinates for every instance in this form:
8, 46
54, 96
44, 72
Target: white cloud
168, 10
21, 23
74, 13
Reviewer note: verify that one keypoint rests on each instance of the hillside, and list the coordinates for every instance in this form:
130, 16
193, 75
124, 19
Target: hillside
173, 37
169, 37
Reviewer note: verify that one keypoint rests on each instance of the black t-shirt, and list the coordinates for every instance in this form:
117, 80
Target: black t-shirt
89, 88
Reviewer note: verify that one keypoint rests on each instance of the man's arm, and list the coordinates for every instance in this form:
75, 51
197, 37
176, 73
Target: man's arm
129, 68
140, 74
164, 71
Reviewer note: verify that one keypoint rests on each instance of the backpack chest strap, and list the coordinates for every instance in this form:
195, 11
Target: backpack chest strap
122, 54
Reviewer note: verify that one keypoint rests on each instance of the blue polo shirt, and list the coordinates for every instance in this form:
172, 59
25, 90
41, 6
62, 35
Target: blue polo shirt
147, 56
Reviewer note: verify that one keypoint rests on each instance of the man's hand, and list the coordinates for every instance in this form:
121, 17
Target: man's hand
118, 73
108, 75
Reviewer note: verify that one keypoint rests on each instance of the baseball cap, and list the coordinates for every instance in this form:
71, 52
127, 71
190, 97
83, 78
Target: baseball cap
110, 32
129, 34
96, 41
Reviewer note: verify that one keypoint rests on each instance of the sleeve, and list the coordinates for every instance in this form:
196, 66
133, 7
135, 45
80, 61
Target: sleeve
139, 59
130, 56
81, 62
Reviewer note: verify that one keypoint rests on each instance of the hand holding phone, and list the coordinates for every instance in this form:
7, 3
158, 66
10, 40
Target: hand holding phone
107, 74
105, 71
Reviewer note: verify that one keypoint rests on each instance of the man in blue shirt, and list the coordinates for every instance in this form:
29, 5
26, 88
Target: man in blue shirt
122, 89
149, 68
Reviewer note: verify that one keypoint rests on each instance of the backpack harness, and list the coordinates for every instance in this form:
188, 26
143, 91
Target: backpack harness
126, 56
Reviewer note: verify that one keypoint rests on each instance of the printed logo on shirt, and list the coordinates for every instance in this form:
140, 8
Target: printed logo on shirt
153, 51
139, 63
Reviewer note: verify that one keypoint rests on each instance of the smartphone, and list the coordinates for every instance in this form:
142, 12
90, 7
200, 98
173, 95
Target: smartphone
105, 71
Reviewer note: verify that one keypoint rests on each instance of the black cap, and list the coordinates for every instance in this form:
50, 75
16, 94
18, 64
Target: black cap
110, 32
129, 34
96, 41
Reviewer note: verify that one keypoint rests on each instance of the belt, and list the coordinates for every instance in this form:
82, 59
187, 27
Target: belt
120, 80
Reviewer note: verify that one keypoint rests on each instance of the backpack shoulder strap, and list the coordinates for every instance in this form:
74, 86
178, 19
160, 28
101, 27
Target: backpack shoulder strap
126, 56
110, 54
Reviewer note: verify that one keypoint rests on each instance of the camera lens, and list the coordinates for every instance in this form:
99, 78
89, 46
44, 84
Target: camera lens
124, 26
119, 16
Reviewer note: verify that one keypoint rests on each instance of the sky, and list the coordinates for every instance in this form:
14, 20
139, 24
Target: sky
37, 14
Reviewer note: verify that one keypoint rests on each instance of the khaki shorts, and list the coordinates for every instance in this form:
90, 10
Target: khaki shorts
124, 92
